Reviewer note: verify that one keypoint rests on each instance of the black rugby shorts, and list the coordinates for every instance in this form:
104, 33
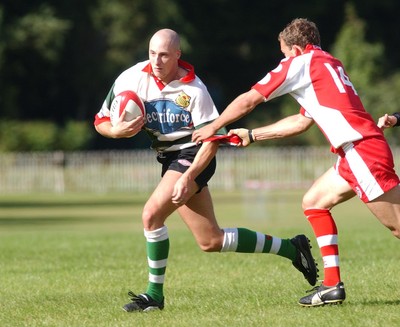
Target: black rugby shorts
181, 161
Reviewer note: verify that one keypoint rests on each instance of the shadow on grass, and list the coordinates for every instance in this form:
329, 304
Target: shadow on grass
23, 221
381, 302
52, 204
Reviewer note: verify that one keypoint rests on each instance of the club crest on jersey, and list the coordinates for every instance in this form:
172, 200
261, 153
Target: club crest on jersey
183, 100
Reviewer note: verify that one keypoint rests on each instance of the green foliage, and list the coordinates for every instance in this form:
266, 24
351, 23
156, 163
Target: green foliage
39, 31
29, 136
387, 100
364, 64
73, 51
362, 60
75, 136
120, 23
2, 42
127, 26
43, 136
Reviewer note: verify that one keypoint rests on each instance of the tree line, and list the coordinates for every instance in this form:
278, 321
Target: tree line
58, 60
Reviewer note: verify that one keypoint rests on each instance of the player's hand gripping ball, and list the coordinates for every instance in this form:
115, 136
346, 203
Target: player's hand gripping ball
127, 101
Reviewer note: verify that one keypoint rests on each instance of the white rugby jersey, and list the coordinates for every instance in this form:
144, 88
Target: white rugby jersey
321, 86
173, 111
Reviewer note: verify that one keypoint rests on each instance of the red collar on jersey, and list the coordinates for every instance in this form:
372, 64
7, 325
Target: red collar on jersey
310, 47
190, 76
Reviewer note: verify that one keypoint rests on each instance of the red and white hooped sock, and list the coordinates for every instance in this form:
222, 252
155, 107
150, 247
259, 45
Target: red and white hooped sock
326, 233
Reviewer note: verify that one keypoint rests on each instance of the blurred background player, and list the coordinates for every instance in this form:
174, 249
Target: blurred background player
327, 97
176, 103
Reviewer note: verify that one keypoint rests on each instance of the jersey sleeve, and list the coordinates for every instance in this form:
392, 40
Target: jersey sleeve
304, 112
104, 114
204, 110
285, 78
125, 81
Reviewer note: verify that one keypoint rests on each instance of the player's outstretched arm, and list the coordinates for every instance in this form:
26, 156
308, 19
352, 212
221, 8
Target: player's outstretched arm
288, 126
238, 108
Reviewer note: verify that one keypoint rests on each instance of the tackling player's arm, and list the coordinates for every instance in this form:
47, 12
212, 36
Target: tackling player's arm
238, 108
289, 126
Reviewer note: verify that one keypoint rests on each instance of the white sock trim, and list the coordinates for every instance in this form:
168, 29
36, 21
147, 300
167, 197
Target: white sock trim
230, 240
156, 235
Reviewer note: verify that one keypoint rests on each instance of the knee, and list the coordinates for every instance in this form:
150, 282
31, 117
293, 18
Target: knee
210, 245
146, 215
395, 232
394, 227
321, 200
308, 202
149, 219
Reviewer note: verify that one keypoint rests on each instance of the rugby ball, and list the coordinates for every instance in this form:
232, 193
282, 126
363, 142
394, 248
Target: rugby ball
127, 101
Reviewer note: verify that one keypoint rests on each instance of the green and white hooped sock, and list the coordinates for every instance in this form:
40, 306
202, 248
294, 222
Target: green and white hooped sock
247, 241
157, 247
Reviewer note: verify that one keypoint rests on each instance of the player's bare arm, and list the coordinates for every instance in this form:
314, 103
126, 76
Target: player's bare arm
238, 108
289, 126
286, 127
183, 188
123, 129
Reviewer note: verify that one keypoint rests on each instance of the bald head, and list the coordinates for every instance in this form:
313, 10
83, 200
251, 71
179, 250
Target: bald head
168, 38
164, 52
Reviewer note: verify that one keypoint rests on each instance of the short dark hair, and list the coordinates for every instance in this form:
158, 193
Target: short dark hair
300, 31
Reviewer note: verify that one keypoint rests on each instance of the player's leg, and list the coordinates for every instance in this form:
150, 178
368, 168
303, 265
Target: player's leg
198, 214
387, 209
375, 182
156, 210
371, 165
326, 192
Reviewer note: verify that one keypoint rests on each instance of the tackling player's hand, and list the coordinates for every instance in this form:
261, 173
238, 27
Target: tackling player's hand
201, 134
243, 133
126, 129
387, 121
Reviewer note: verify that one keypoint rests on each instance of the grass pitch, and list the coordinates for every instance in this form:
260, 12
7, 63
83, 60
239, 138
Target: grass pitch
69, 260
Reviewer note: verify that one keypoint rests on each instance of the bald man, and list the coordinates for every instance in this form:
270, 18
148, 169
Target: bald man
177, 102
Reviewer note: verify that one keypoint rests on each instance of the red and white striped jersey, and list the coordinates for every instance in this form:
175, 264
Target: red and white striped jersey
321, 86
